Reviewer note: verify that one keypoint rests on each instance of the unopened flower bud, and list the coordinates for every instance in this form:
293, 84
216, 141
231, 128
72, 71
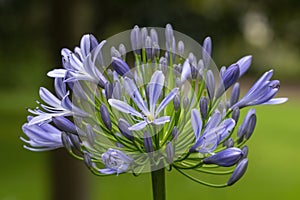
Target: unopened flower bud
175, 133
176, 102
66, 141
64, 124
210, 84
206, 52
238, 172
225, 158
108, 90
245, 151
170, 152
235, 114
148, 142
123, 126
203, 107
180, 48
235, 94
120, 66
105, 116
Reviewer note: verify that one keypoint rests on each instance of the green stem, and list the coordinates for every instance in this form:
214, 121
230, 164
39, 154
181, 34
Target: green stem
158, 184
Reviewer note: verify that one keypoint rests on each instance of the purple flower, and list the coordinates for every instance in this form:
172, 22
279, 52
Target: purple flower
56, 106
79, 65
262, 92
42, 137
148, 116
214, 132
115, 161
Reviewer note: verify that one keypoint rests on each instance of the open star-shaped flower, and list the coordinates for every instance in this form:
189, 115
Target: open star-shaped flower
147, 116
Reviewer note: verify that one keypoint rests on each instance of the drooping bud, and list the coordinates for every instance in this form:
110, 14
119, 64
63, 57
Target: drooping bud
120, 66
248, 125
176, 102
210, 84
123, 126
203, 107
75, 141
238, 172
66, 141
105, 116
88, 161
245, 151
64, 124
148, 142
170, 152
225, 158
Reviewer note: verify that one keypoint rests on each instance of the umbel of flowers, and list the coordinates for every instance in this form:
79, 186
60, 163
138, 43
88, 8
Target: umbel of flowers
152, 102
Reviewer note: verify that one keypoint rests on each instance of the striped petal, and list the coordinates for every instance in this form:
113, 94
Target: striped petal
155, 86
186, 71
124, 107
166, 100
196, 123
135, 95
161, 120
138, 126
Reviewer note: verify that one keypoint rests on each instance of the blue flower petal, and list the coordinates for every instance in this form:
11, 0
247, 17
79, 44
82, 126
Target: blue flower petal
135, 95
124, 107
138, 126
155, 86
166, 100
196, 123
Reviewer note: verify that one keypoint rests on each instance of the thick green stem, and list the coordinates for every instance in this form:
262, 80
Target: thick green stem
158, 184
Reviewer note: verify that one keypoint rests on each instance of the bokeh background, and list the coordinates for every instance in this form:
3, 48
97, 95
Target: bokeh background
32, 32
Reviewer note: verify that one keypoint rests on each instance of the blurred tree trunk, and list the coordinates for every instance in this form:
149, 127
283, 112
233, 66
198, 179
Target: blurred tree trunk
70, 19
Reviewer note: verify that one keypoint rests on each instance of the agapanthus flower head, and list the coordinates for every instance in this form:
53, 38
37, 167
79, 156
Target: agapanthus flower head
153, 100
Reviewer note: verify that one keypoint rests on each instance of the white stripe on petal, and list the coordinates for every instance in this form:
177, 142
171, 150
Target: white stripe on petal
161, 120
49, 98
196, 123
166, 100
138, 126
57, 73
124, 107
276, 101
135, 95
155, 86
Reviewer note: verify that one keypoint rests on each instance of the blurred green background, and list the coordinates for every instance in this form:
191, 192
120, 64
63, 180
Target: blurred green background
32, 33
